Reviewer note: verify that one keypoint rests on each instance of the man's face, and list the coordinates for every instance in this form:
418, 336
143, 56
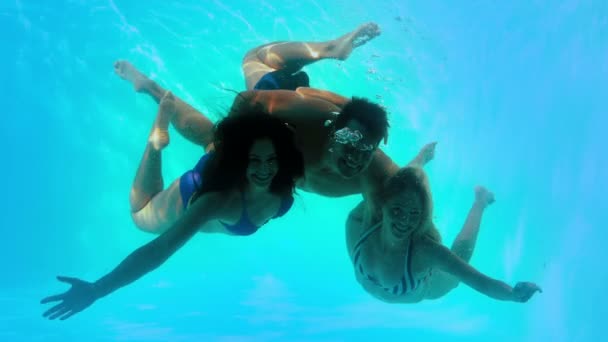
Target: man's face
352, 149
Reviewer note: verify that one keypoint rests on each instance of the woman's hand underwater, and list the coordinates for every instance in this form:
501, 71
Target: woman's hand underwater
79, 297
523, 291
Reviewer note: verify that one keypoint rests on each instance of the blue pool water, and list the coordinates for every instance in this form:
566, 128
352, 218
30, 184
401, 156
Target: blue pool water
514, 92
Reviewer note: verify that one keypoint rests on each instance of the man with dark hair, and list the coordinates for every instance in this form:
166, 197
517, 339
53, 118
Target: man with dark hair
370, 114
339, 137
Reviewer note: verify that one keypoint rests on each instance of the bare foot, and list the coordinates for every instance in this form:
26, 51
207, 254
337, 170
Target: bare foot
127, 71
159, 138
344, 45
364, 34
483, 196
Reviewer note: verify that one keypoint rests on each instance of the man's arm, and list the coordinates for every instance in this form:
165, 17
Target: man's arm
337, 100
288, 105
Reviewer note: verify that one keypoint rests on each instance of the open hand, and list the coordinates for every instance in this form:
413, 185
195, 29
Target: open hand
80, 296
523, 291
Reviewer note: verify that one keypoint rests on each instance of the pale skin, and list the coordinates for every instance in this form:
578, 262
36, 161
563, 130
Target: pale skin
441, 269
174, 225
196, 127
295, 55
305, 109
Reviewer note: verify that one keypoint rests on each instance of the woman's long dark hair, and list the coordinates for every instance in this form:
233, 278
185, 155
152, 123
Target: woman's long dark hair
233, 138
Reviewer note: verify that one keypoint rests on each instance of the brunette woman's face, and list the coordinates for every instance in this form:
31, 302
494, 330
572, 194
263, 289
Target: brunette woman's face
263, 163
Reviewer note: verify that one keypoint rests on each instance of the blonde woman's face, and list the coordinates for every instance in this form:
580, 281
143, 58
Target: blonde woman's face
402, 214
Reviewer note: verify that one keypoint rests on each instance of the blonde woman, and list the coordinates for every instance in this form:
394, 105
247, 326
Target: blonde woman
399, 257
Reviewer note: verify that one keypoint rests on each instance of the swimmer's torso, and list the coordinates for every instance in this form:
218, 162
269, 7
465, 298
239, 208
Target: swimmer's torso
326, 182
234, 208
330, 184
384, 274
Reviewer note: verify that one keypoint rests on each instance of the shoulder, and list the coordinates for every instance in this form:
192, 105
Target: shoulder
379, 170
357, 213
381, 166
285, 206
355, 225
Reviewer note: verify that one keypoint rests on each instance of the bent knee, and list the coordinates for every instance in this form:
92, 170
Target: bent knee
137, 200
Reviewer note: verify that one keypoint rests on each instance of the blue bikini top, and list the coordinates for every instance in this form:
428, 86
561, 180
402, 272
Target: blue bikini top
192, 181
245, 227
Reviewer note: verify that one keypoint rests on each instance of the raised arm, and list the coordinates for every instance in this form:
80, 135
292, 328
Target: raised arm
425, 155
443, 259
138, 263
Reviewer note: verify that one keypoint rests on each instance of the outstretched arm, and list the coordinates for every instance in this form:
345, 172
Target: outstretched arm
145, 259
156, 252
443, 259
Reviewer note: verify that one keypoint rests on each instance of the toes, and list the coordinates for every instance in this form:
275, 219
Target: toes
373, 29
365, 34
118, 67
